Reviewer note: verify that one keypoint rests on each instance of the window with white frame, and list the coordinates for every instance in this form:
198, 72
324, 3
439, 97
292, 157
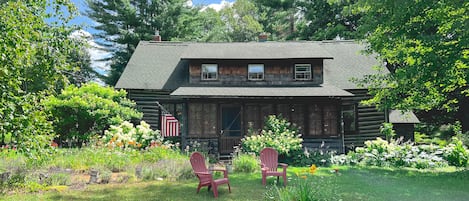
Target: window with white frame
256, 71
209, 71
303, 72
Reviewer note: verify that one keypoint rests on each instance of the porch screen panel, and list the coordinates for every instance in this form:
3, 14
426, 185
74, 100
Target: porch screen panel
195, 119
284, 110
330, 120
210, 120
297, 117
202, 120
253, 117
315, 120
266, 110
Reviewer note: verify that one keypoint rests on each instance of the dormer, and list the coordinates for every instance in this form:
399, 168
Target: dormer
256, 64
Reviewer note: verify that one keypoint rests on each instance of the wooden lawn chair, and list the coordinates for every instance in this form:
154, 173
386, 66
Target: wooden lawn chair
269, 165
205, 177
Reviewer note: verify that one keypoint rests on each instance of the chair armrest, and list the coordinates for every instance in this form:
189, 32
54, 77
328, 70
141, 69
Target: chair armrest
225, 173
202, 173
284, 166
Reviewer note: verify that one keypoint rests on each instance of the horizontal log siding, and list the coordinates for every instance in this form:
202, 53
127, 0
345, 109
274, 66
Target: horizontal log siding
369, 120
146, 103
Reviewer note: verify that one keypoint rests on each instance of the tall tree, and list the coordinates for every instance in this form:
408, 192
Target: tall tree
242, 21
123, 23
326, 20
425, 46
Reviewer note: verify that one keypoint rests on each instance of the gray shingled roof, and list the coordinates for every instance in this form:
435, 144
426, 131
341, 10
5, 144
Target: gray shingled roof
322, 91
348, 62
154, 66
255, 50
161, 65
397, 116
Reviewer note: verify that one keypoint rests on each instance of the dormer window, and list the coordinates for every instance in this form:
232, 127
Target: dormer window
209, 71
256, 72
302, 71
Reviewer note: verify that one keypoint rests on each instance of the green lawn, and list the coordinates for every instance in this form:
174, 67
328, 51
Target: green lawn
351, 183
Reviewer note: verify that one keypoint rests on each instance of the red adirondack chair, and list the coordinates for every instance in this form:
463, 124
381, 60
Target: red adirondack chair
205, 177
269, 165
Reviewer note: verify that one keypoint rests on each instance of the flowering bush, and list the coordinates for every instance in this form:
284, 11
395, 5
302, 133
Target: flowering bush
127, 136
395, 153
278, 133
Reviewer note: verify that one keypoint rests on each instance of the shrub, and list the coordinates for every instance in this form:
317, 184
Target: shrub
58, 179
278, 133
127, 136
80, 113
387, 130
245, 163
456, 153
305, 157
382, 153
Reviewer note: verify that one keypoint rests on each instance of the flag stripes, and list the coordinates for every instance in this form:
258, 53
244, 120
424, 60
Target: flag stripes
169, 125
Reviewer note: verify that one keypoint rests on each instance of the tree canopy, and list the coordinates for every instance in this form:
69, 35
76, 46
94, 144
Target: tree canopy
35, 54
425, 46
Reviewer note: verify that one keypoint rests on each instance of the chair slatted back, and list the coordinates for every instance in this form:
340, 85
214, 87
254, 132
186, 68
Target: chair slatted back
269, 157
198, 162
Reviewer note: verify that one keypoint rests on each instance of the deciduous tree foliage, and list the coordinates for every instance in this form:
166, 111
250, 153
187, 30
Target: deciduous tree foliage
425, 46
242, 21
33, 57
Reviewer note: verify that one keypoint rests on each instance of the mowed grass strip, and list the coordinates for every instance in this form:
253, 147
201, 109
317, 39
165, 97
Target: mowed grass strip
352, 184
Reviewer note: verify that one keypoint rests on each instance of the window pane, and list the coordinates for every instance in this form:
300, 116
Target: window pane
303, 72
209, 71
256, 71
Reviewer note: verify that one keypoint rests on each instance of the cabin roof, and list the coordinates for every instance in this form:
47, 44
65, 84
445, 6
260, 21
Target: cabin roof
163, 65
255, 50
400, 117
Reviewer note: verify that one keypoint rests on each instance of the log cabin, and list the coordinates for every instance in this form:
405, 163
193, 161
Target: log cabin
219, 91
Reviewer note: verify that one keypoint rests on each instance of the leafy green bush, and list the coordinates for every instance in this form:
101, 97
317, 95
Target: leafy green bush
80, 113
278, 133
456, 153
321, 156
127, 136
387, 130
245, 163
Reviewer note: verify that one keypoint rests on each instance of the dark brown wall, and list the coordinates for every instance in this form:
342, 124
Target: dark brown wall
276, 72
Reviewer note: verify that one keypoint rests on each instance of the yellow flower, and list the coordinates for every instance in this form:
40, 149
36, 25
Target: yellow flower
312, 169
303, 177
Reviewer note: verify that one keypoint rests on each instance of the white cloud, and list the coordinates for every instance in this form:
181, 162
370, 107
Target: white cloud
218, 6
96, 51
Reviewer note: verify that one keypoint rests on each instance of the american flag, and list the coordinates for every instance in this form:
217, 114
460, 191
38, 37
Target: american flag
169, 125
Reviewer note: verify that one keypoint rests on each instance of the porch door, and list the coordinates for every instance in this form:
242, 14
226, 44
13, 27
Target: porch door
230, 133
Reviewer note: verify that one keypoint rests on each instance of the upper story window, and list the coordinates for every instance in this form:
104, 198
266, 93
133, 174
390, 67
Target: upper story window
255, 71
209, 71
303, 72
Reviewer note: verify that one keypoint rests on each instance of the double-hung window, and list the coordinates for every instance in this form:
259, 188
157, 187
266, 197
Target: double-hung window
209, 71
303, 72
256, 72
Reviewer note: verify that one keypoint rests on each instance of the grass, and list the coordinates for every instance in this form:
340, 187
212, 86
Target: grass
352, 184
